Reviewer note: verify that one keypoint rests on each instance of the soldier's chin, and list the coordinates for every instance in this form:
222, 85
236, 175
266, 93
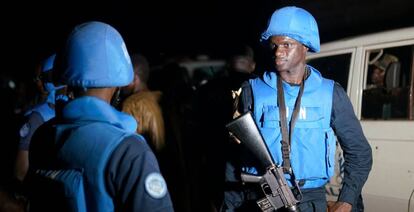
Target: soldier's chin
280, 68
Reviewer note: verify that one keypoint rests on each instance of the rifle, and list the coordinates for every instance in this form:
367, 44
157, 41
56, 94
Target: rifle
273, 182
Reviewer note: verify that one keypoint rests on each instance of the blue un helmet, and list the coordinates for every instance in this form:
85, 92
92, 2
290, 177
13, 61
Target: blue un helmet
46, 75
295, 23
96, 57
47, 80
48, 63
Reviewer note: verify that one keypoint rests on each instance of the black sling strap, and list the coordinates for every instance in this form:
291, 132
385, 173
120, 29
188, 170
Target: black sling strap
287, 134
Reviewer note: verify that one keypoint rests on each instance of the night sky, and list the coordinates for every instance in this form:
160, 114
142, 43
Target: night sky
181, 27
153, 28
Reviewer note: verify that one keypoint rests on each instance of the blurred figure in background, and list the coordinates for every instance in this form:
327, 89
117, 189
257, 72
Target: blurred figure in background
39, 114
143, 104
377, 99
213, 110
242, 61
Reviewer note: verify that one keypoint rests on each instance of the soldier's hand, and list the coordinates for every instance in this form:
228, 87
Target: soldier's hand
339, 207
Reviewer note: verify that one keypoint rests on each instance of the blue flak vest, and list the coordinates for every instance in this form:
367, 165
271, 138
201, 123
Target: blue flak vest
58, 190
88, 148
313, 142
86, 144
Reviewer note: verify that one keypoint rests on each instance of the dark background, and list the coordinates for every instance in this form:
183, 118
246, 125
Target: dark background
32, 31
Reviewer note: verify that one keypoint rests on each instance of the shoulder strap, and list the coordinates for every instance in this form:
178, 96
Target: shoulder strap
287, 133
246, 97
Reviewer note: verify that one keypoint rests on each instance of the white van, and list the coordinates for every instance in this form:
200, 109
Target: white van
386, 110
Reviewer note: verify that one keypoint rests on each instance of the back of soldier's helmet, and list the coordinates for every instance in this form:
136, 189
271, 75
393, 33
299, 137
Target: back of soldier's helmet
95, 56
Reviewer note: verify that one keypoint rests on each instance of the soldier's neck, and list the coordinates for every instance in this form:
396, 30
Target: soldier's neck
294, 76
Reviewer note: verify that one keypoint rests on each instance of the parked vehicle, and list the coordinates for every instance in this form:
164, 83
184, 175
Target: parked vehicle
386, 114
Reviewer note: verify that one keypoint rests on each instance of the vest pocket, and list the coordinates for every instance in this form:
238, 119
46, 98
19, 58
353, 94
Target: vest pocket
312, 148
313, 157
271, 118
271, 132
309, 154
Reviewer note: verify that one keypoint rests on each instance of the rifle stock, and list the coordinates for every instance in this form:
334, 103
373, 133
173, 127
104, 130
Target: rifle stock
273, 182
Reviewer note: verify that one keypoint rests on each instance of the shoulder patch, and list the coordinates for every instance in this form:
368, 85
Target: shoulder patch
155, 185
24, 131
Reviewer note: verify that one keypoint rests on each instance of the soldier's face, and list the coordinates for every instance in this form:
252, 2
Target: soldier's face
288, 53
377, 76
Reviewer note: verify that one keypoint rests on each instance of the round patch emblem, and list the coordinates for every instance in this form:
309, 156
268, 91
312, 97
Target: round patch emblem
24, 131
155, 185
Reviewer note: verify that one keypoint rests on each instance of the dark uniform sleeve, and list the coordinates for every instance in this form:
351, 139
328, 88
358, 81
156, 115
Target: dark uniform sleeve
134, 179
34, 120
356, 149
246, 98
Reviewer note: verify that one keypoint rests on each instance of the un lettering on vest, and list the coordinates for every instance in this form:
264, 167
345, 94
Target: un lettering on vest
301, 115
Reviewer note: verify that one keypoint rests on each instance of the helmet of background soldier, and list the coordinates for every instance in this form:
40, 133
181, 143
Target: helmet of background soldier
46, 75
296, 23
48, 63
95, 56
48, 81
386, 60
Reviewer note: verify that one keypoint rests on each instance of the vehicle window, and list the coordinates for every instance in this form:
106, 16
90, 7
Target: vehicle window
202, 71
388, 91
334, 67
204, 74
